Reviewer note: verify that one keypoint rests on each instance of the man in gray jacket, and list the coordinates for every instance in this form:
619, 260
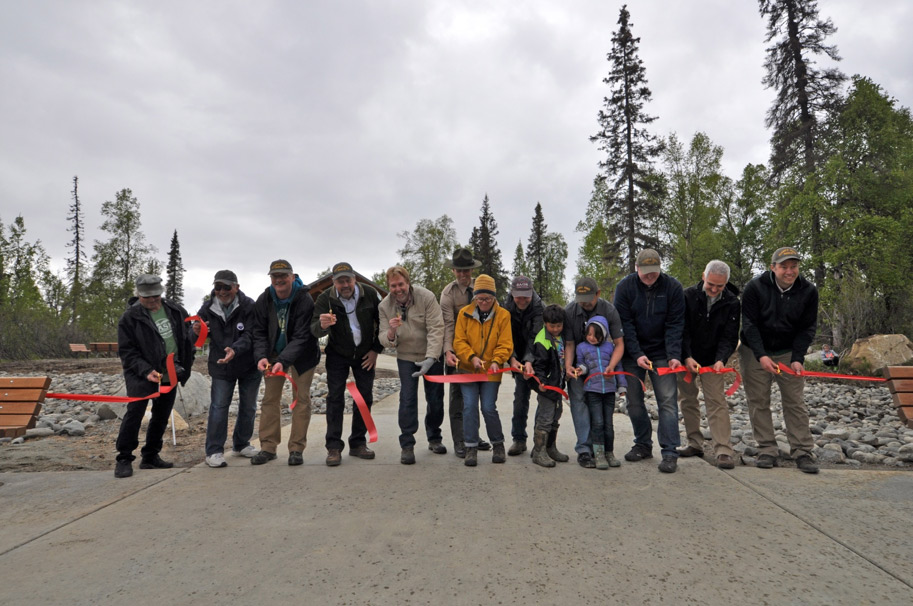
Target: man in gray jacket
411, 322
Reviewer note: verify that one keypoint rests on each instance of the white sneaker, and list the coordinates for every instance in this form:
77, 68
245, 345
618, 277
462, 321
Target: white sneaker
216, 460
248, 451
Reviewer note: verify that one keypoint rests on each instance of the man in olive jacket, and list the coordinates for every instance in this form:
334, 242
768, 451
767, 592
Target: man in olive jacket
347, 312
283, 343
150, 330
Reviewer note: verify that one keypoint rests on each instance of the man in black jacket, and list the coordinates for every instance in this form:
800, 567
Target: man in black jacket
150, 330
779, 319
348, 313
525, 309
229, 315
652, 309
283, 343
710, 337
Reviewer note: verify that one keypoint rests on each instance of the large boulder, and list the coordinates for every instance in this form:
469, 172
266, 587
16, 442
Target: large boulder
192, 399
875, 352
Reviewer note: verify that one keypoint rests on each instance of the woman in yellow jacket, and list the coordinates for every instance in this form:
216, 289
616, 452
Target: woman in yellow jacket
483, 343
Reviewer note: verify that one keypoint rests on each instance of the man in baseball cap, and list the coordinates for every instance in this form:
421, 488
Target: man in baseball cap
525, 309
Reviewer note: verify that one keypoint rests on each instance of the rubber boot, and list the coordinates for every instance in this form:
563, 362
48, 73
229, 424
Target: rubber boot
599, 454
540, 436
552, 450
472, 455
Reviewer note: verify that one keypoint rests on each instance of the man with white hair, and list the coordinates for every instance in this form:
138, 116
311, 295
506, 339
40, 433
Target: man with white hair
711, 335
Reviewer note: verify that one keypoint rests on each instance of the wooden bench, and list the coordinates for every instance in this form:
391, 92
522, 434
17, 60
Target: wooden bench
20, 403
900, 384
78, 348
103, 348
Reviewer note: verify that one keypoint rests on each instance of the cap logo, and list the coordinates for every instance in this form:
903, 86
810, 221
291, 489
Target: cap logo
584, 290
342, 267
788, 251
649, 261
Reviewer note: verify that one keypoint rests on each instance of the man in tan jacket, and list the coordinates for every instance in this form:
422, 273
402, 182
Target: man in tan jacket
411, 322
454, 297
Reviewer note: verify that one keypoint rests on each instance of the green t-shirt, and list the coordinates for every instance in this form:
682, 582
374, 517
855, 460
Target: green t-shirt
163, 325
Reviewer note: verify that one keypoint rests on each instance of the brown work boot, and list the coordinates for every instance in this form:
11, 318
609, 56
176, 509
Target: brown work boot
724, 461
498, 456
362, 452
519, 446
690, 451
334, 457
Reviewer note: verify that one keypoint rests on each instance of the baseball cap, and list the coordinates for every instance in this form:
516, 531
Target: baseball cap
225, 276
148, 285
343, 269
280, 266
648, 261
585, 290
521, 287
783, 253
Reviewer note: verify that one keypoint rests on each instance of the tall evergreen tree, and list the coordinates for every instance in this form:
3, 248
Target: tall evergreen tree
77, 261
744, 224
536, 250
484, 245
520, 267
631, 188
805, 94
546, 259
174, 272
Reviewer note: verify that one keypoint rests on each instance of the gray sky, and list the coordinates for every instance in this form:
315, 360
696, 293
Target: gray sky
316, 131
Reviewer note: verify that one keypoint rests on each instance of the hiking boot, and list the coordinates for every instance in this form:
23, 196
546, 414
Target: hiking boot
362, 452
766, 461
472, 455
295, 458
599, 455
408, 456
552, 450
498, 455
585, 460
538, 454
638, 453
248, 451
690, 451
123, 469
334, 457
483, 445
216, 460
806, 464
155, 462
724, 461
613, 462
519, 446
262, 457
669, 464
437, 448
459, 449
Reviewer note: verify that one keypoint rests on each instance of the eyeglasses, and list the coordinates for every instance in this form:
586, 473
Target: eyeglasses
218, 287
485, 299
150, 297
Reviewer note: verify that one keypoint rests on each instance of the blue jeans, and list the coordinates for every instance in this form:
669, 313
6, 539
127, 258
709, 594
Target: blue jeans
666, 391
580, 414
487, 392
521, 408
220, 398
602, 409
408, 403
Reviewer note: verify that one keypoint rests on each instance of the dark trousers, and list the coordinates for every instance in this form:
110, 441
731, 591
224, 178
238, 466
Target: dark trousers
455, 408
602, 411
521, 408
337, 374
128, 437
408, 403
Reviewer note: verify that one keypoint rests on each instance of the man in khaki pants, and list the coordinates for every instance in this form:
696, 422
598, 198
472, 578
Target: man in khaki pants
711, 334
779, 319
283, 343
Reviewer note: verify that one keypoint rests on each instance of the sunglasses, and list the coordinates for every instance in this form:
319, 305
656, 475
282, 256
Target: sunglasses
218, 287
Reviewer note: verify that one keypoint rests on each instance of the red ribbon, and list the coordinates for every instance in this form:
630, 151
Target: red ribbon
172, 383
709, 369
204, 330
827, 375
363, 409
613, 373
481, 378
289, 379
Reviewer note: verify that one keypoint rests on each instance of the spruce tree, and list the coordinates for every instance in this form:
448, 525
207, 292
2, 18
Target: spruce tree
536, 249
174, 272
484, 246
631, 187
77, 261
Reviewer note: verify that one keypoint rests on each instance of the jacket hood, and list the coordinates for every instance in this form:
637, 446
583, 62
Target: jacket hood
599, 321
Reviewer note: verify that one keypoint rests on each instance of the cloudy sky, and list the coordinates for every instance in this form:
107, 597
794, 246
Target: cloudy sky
317, 131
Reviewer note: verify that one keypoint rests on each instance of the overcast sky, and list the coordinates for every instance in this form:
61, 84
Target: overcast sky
316, 131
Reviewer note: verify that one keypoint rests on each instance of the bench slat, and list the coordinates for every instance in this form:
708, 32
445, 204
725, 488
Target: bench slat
22, 395
27, 421
20, 408
24, 382
903, 399
900, 385
906, 415
899, 372
11, 432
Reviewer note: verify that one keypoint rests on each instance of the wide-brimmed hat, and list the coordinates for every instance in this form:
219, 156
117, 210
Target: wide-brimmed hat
462, 259
148, 285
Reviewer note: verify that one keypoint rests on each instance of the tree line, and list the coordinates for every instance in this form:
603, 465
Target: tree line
838, 185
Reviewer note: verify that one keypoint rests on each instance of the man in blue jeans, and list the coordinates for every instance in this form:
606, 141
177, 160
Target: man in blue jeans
652, 309
525, 309
229, 315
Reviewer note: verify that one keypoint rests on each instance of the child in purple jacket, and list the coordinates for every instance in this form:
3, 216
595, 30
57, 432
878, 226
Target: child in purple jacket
594, 357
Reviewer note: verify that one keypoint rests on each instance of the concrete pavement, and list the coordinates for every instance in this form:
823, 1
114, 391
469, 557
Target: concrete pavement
378, 532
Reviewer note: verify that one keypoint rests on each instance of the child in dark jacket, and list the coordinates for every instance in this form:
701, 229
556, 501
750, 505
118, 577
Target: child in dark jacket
548, 366
594, 358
